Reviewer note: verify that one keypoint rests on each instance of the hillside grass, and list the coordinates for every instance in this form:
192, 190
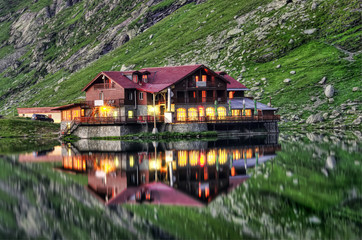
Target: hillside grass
24, 127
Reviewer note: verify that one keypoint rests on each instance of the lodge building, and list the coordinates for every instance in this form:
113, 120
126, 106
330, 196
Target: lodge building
171, 95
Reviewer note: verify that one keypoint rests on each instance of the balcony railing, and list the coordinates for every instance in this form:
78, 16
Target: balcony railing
104, 86
225, 119
117, 120
107, 102
200, 100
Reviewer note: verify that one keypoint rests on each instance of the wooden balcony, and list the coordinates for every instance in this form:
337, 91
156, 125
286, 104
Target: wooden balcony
107, 102
210, 100
228, 119
104, 86
117, 120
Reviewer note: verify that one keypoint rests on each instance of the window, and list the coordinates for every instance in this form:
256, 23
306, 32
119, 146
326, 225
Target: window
196, 78
141, 95
231, 94
201, 112
82, 114
101, 96
181, 114
204, 78
192, 113
203, 96
221, 112
235, 112
135, 78
130, 96
247, 112
144, 78
130, 114
210, 112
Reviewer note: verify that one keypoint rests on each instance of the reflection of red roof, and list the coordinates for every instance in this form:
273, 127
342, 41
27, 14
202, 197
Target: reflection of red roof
159, 78
162, 194
36, 110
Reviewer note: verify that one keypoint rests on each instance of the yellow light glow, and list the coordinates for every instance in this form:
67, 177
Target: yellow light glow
182, 158
211, 157
131, 161
222, 156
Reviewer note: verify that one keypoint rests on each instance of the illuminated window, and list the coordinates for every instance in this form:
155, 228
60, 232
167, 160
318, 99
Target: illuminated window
69, 115
64, 115
130, 114
135, 78
181, 114
231, 94
82, 113
196, 78
194, 94
235, 112
75, 113
201, 112
141, 95
221, 112
203, 94
192, 113
115, 114
210, 112
144, 78
204, 78
247, 112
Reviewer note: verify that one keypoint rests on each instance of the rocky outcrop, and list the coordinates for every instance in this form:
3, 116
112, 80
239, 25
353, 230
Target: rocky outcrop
315, 118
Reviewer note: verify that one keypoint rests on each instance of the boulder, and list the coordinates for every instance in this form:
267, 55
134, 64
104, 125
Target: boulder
234, 31
357, 121
331, 100
278, 66
315, 118
309, 31
331, 162
292, 72
329, 91
355, 89
287, 80
323, 81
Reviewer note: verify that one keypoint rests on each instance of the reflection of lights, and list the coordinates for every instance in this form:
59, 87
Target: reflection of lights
131, 161
182, 158
154, 165
211, 157
236, 155
116, 161
199, 190
206, 174
222, 156
69, 152
207, 191
193, 157
233, 171
202, 159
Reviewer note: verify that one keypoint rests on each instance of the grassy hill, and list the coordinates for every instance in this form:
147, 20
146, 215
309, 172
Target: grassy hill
248, 39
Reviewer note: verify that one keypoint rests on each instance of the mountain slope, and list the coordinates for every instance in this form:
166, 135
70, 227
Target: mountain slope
249, 39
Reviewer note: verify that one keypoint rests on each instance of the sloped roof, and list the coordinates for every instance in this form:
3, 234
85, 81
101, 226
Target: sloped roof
249, 104
234, 84
159, 78
37, 110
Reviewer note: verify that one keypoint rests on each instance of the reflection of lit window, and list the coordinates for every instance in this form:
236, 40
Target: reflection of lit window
192, 112
222, 156
131, 161
193, 157
211, 157
182, 158
236, 154
202, 159
248, 153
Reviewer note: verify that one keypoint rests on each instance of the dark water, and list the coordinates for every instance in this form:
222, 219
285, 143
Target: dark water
295, 185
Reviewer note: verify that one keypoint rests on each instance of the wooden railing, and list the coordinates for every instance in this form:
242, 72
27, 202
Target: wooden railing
104, 86
200, 100
117, 120
228, 119
107, 102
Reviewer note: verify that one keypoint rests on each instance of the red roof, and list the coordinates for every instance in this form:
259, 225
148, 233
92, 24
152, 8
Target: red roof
234, 84
159, 78
37, 110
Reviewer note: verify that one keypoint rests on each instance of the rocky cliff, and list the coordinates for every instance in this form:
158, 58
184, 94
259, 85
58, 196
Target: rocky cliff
286, 50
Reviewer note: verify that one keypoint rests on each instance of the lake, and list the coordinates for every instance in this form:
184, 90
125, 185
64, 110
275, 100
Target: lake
291, 185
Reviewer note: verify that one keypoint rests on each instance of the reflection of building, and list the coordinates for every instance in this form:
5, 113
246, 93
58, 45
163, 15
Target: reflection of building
201, 174
49, 155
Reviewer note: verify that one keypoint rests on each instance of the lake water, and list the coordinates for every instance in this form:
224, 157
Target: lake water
280, 186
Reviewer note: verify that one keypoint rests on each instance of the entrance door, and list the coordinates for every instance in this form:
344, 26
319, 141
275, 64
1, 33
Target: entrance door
162, 110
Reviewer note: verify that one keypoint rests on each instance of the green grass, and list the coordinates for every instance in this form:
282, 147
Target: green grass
21, 127
162, 5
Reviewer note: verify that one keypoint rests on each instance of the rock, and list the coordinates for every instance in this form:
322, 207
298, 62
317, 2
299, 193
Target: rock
263, 79
278, 66
234, 31
313, 99
314, 219
56, 88
314, 6
214, 56
325, 115
309, 31
355, 89
315, 118
151, 36
331, 100
292, 72
323, 81
257, 83
289, 173
329, 91
357, 121
287, 80
325, 172
291, 41
331, 162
